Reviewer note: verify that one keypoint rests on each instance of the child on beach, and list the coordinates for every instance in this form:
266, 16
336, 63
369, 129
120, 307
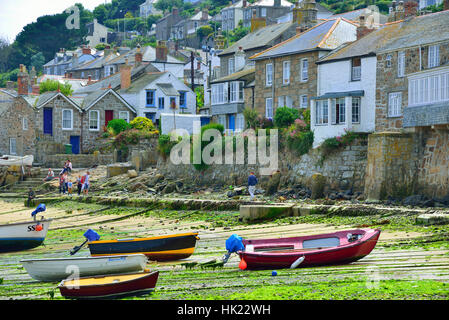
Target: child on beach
79, 184
69, 187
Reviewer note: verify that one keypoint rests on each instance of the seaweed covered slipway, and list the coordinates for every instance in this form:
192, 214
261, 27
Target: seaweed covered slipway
409, 261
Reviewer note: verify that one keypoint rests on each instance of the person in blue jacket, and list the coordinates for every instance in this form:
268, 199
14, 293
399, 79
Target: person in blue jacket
252, 181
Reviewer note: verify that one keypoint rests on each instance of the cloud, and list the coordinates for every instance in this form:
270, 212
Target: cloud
16, 14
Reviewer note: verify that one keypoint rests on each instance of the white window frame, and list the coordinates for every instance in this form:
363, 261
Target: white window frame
71, 120
304, 72
24, 124
356, 110
219, 93
342, 110
322, 112
126, 113
401, 64
236, 91
388, 59
263, 12
429, 88
288, 102
269, 108
231, 65
91, 118
433, 56
12, 146
281, 101
301, 101
286, 72
269, 74
394, 104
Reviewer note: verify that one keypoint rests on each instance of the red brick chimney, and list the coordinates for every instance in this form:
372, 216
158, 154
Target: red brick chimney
138, 58
87, 50
161, 51
125, 75
22, 81
362, 29
410, 9
35, 89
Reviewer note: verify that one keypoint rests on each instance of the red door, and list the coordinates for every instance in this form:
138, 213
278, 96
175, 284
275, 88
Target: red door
109, 115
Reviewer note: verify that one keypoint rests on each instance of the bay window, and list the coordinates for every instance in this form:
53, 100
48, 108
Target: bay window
322, 112
236, 91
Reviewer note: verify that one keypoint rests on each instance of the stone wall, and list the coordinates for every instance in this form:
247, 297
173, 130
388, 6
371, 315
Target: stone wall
433, 170
78, 160
294, 89
343, 170
391, 165
388, 81
12, 126
92, 138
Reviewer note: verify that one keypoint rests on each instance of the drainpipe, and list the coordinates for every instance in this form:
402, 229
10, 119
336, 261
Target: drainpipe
420, 58
81, 132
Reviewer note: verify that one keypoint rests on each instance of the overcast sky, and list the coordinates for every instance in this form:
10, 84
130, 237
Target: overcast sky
15, 14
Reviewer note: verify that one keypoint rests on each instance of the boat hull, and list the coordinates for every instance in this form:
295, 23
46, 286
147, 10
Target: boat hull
60, 268
161, 248
342, 254
109, 287
22, 236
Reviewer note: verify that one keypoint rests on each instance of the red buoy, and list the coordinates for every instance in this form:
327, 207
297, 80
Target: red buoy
242, 264
39, 227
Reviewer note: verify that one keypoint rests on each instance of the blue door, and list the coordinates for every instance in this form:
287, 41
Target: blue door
75, 142
48, 121
232, 122
205, 120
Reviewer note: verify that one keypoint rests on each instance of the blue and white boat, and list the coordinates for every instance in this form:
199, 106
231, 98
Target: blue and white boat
20, 236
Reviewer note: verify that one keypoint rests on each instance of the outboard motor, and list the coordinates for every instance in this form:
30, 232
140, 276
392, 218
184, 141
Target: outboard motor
90, 235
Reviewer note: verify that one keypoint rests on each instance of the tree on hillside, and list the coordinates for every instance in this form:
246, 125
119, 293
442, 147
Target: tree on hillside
167, 5
37, 61
47, 35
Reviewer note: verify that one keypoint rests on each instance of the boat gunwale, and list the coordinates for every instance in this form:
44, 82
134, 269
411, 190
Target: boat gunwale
29, 222
83, 258
144, 275
317, 251
144, 239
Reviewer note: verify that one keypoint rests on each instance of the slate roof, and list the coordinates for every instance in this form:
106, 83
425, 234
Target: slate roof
270, 3
355, 14
420, 30
142, 82
168, 89
312, 39
114, 80
99, 62
247, 74
258, 38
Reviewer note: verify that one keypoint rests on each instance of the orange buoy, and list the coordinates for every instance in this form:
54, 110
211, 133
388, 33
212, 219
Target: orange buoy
242, 264
39, 227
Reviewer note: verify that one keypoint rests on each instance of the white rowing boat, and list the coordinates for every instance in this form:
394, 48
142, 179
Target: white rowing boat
16, 161
23, 235
58, 269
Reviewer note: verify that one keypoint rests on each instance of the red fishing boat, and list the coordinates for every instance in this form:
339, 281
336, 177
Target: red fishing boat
110, 286
324, 249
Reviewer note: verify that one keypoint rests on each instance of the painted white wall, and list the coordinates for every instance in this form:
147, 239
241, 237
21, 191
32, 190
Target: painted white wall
138, 101
336, 77
184, 121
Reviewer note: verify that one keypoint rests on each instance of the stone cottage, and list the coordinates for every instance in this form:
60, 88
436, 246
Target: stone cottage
286, 74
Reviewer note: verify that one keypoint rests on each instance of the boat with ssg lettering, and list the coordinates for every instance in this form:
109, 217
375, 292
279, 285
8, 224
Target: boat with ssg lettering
324, 249
159, 248
20, 236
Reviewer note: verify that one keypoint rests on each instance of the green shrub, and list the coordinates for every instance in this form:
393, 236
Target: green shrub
203, 144
300, 141
55, 85
285, 116
142, 123
251, 118
165, 144
118, 125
